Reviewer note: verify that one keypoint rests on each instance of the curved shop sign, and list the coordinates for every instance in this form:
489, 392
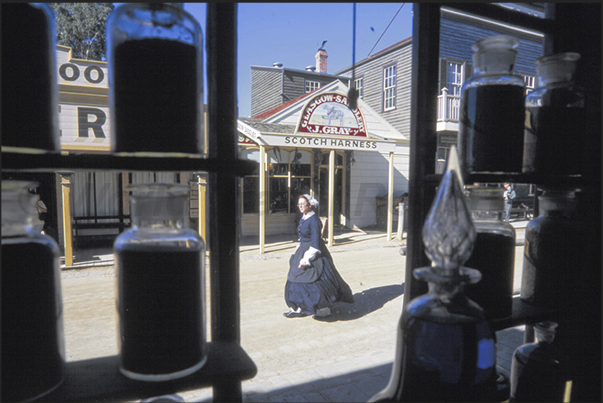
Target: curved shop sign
330, 114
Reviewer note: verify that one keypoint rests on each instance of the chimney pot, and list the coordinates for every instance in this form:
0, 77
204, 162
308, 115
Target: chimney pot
277, 64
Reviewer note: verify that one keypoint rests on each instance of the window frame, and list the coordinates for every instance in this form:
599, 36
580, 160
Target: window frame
389, 85
311, 85
360, 88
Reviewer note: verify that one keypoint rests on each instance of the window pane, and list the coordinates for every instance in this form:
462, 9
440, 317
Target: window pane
389, 88
278, 195
301, 163
251, 195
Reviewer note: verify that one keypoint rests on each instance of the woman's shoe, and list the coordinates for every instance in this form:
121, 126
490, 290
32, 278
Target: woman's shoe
294, 314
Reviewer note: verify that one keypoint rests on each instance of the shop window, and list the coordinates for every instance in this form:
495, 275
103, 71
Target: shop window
389, 88
279, 195
251, 194
312, 85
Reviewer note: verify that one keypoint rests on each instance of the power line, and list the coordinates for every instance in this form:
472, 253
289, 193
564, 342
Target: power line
390, 23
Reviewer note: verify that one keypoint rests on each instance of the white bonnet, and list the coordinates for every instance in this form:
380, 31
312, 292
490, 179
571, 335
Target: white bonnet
313, 202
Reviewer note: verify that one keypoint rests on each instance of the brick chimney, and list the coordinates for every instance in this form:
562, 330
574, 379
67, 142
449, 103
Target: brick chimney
321, 60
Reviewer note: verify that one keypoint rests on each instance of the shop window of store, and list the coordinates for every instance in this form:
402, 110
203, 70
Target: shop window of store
301, 176
359, 84
389, 88
250, 185
312, 85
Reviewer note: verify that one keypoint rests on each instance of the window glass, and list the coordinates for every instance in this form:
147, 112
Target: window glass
454, 78
251, 195
530, 82
389, 88
278, 195
301, 163
359, 84
312, 85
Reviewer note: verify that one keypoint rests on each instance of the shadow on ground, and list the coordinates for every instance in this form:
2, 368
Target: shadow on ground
365, 302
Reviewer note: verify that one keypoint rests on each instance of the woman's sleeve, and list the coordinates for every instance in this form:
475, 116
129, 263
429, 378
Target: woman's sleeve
315, 232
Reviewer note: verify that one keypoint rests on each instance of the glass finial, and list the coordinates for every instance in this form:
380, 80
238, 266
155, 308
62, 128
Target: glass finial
449, 233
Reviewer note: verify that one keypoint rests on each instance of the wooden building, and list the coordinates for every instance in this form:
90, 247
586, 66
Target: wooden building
317, 144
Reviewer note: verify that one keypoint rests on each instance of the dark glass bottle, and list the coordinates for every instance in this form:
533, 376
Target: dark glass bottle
493, 253
446, 349
555, 113
492, 112
553, 245
160, 287
156, 81
536, 373
30, 102
33, 346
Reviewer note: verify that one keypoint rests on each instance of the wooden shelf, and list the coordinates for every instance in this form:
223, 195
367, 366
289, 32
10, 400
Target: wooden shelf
99, 379
57, 162
523, 314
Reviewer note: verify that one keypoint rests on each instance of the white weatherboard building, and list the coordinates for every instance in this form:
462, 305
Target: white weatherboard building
317, 144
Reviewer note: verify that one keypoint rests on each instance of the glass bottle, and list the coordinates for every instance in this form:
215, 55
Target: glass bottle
156, 81
555, 119
33, 346
30, 103
536, 374
160, 287
553, 246
446, 349
492, 110
493, 253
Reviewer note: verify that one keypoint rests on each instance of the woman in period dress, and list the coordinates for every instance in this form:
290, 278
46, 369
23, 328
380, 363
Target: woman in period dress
313, 283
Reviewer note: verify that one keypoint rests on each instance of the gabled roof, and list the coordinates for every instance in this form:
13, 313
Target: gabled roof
284, 118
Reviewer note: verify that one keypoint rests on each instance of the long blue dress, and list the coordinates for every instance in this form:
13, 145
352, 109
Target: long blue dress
318, 285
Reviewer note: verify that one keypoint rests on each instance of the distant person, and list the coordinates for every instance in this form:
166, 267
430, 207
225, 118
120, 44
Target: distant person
313, 283
508, 195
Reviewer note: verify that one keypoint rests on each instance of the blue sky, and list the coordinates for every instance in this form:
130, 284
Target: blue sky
291, 33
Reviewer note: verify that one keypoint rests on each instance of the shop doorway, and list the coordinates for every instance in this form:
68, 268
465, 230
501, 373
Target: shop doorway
323, 188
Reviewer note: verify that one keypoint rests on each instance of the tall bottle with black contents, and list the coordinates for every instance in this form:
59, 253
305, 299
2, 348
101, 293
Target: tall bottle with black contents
536, 373
33, 345
446, 349
160, 287
30, 95
492, 110
554, 247
493, 253
156, 81
555, 119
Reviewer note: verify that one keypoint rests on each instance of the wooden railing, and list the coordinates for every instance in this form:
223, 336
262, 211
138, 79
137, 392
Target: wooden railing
448, 107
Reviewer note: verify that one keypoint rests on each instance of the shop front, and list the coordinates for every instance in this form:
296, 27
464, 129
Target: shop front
317, 145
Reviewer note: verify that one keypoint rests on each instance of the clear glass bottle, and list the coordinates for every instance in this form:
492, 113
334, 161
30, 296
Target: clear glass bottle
492, 110
555, 119
30, 96
155, 57
33, 346
160, 287
446, 349
553, 246
536, 373
493, 253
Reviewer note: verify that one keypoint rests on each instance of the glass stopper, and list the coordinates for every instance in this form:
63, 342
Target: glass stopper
449, 233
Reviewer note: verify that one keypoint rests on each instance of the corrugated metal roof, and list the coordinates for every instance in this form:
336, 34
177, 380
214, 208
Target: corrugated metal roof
262, 127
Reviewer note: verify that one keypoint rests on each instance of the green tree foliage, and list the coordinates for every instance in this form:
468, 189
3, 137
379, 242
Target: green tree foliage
82, 27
